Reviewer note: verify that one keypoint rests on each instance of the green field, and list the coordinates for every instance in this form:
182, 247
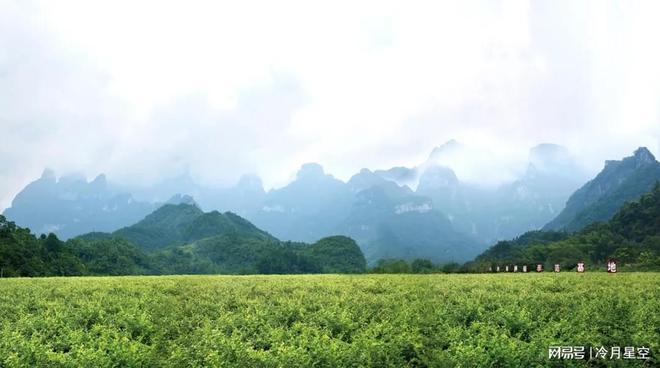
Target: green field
325, 320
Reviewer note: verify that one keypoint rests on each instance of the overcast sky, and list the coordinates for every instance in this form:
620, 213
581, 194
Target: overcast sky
141, 90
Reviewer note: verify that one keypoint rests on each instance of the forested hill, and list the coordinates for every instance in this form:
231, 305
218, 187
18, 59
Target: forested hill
185, 223
175, 239
632, 237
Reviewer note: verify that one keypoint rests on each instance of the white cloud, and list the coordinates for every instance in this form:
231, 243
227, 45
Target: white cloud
140, 89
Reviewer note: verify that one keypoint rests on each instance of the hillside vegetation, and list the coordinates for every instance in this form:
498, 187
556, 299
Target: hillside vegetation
632, 237
601, 198
175, 239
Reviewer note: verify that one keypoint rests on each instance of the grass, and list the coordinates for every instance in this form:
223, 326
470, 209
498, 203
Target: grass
325, 320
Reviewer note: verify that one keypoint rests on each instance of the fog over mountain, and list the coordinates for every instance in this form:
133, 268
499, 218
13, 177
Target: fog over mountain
423, 211
217, 90
619, 182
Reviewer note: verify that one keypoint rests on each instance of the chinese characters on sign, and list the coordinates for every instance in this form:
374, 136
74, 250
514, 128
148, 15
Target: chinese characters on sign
580, 267
611, 266
598, 352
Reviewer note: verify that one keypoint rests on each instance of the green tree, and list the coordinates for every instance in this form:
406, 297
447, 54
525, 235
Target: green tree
422, 266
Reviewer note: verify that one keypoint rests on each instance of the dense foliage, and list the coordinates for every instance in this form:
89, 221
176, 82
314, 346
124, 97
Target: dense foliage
419, 265
184, 223
23, 254
176, 239
632, 237
336, 254
498, 320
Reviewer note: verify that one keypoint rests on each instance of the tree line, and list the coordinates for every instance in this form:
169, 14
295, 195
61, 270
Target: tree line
23, 254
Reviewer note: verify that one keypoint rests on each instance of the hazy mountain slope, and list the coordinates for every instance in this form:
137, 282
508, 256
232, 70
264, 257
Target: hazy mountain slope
366, 179
600, 198
161, 191
443, 218
388, 226
244, 198
71, 206
307, 209
457, 200
400, 175
632, 236
525, 204
540, 194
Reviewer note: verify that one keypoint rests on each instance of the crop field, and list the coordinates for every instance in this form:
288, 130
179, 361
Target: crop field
496, 320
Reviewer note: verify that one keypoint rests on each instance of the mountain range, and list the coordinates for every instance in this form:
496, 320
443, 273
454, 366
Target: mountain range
71, 206
425, 211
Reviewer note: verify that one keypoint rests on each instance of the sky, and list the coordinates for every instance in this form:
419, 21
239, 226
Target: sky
144, 90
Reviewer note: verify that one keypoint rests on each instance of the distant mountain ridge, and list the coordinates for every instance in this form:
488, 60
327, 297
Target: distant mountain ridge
600, 198
525, 204
423, 211
393, 222
71, 206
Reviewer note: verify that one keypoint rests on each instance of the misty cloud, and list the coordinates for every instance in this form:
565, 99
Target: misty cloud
146, 90
215, 146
